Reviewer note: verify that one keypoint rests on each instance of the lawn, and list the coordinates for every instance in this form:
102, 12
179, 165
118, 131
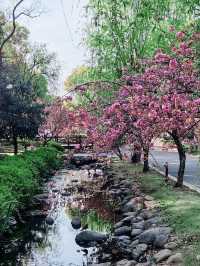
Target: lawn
180, 207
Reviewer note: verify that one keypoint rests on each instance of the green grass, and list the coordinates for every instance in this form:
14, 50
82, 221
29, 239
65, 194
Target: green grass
21, 177
180, 207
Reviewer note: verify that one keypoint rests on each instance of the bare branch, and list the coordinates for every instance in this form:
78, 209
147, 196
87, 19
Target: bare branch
14, 26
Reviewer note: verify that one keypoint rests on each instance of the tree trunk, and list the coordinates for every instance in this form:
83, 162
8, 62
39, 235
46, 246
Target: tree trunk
15, 144
119, 153
146, 161
136, 157
182, 159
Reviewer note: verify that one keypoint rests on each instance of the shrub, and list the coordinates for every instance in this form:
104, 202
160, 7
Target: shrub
22, 175
56, 145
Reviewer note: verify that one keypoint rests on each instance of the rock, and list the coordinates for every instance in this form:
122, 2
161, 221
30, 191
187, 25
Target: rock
136, 232
171, 245
65, 194
76, 223
40, 197
145, 264
154, 236
149, 198
139, 225
124, 230
139, 251
176, 259
152, 221
38, 236
123, 238
160, 241
82, 159
127, 220
126, 263
134, 243
12, 222
162, 255
146, 214
49, 220
37, 214
133, 214
117, 225
88, 238
74, 180
105, 257
129, 206
102, 264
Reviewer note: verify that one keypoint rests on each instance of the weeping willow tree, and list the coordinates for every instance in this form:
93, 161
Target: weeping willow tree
122, 31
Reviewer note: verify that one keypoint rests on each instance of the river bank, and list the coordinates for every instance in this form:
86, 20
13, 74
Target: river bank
96, 213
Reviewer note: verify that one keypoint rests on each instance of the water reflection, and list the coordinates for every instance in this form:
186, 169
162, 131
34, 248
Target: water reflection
55, 245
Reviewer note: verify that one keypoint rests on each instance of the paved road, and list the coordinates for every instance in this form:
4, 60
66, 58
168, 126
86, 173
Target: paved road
192, 172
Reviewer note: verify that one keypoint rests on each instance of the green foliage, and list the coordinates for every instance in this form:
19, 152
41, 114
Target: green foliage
56, 145
21, 177
79, 75
123, 31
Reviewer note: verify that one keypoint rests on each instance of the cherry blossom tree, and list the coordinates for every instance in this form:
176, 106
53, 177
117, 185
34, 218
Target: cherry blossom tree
164, 98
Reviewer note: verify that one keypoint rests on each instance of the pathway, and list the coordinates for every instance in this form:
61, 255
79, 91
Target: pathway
192, 172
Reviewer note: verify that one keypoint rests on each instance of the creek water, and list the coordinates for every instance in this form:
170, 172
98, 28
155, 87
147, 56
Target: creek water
44, 245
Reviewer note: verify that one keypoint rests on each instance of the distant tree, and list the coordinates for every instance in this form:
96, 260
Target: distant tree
20, 113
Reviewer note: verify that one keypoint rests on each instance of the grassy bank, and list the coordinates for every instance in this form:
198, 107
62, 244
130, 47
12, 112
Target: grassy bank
180, 207
21, 177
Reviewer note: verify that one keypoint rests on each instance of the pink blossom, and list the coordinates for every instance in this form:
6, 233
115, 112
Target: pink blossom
180, 35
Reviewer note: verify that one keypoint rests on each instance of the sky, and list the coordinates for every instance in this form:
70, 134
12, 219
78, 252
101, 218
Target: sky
61, 27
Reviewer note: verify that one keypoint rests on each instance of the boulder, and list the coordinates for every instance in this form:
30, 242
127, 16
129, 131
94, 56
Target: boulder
171, 245
102, 264
160, 240
155, 236
133, 214
136, 232
138, 251
162, 255
117, 225
153, 221
76, 223
49, 220
37, 215
124, 230
138, 225
176, 259
89, 238
65, 193
126, 263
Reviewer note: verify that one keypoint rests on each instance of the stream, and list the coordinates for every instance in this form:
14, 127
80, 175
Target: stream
39, 244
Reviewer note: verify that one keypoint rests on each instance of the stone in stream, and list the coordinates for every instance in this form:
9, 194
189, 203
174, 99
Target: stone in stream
65, 194
89, 238
76, 223
49, 220
37, 214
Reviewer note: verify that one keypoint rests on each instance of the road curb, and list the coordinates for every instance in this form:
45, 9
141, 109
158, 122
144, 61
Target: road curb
185, 184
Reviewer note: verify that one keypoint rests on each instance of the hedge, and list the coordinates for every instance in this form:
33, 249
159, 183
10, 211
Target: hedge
21, 177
